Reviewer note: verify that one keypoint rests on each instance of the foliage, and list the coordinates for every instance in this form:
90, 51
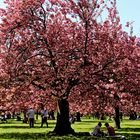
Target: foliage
58, 50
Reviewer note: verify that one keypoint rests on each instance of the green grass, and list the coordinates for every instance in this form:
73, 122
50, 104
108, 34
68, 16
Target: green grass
16, 130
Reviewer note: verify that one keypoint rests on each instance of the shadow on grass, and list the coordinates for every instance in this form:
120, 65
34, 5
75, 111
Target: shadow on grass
131, 125
23, 136
46, 136
129, 129
92, 121
19, 126
131, 136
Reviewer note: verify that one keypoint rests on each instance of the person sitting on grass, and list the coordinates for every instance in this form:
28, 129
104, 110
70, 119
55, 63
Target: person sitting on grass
97, 131
111, 132
110, 129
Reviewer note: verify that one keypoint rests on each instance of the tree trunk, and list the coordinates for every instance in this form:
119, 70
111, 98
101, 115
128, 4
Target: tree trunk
63, 126
117, 117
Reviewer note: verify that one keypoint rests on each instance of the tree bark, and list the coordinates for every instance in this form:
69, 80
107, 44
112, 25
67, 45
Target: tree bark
63, 126
117, 117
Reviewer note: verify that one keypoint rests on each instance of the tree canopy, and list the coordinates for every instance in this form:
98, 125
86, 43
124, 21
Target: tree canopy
51, 50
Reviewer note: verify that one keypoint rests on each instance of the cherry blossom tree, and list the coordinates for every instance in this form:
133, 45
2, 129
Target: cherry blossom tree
57, 52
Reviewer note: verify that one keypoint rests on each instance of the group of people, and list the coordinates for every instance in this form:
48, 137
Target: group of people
31, 114
99, 133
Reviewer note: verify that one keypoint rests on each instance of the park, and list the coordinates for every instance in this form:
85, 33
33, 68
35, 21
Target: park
68, 57
14, 130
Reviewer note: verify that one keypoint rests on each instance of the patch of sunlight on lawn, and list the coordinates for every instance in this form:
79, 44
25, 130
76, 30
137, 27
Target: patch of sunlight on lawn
14, 130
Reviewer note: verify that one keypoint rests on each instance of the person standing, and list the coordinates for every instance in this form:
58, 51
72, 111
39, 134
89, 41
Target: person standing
44, 114
31, 114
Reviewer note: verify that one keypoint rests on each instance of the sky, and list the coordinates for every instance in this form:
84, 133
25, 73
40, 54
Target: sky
128, 11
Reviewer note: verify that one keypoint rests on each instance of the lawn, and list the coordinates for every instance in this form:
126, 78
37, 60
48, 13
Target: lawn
16, 130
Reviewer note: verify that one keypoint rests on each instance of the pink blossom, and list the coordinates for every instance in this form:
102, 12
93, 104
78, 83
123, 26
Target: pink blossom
42, 1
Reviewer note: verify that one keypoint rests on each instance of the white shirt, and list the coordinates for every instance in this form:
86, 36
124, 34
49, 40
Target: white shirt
31, 113
96, 130
44, 113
